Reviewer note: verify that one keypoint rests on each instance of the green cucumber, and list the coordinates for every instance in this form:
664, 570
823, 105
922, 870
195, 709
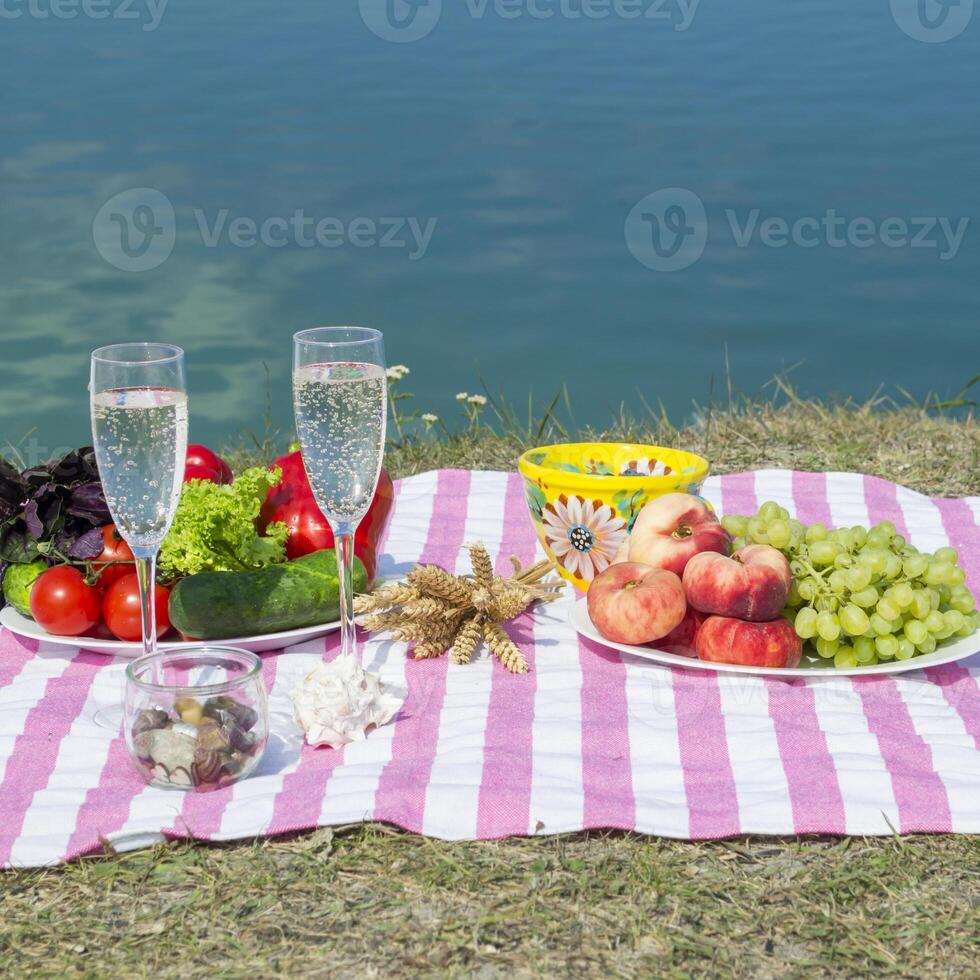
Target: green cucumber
297, 593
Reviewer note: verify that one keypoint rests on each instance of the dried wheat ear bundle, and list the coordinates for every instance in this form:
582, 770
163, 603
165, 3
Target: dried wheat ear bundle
438, 611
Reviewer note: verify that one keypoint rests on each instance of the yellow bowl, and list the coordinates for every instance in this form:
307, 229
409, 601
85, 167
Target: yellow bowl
584, 497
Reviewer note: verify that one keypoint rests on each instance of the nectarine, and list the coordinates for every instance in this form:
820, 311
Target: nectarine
672, 529
682, 640
724, 640
634, 603
753, 584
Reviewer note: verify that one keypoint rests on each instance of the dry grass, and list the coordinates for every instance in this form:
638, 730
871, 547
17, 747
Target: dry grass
368, 901
932, 453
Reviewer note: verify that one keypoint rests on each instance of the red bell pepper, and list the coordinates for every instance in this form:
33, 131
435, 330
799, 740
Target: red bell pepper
292, 503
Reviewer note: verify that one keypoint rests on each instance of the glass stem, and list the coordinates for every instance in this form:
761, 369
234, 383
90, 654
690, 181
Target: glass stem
146, 573
344, 540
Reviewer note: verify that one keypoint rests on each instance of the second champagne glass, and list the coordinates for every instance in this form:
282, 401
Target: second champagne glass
340, 397
139, 425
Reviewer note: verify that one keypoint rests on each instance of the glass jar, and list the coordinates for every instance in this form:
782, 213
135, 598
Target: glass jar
196, 719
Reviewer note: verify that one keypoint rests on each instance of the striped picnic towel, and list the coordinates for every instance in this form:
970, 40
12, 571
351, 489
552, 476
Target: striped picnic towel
587, 740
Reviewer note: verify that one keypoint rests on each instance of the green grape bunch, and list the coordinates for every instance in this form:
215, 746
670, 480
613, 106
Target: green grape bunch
863, 596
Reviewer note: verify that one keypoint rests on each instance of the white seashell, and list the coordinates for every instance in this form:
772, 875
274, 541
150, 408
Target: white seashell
339, 702
184, 728
169, 748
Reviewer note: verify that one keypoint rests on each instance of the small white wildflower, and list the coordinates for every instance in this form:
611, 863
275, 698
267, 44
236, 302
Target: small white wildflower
430, 418
462, 396
396, 372
477, 400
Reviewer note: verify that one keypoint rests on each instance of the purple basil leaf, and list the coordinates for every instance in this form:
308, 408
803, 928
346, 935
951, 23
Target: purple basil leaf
16, 546
51, 515
13, 489
43, 490
35, 526
90, 466
87, 501
88, 546
72, 466
35, 477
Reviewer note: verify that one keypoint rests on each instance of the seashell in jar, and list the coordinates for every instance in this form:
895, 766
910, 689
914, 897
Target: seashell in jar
171, 749
143, 743
208, 765
184, 729
181, 777
232, 766
191, 710
242, 741
244, 716
148, 719
213, 736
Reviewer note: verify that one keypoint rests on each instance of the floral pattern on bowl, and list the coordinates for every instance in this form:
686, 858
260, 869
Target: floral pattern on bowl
584, 497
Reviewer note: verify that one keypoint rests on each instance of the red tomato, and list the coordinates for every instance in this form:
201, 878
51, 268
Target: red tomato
292, 503
121, 609
114, 549
63, 603
198, 455
194, 471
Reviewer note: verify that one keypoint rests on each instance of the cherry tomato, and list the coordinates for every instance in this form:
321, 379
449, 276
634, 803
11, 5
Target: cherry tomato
198, 455
114, 549
63, 603
121, 609
194, 471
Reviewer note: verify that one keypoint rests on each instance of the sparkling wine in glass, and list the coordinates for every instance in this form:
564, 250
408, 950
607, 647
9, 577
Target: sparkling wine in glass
340, 399
139, 426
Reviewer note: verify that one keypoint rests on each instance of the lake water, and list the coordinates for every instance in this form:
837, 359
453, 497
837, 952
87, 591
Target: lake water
487, 194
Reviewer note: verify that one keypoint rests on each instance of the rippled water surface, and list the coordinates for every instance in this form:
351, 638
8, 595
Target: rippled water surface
518, 147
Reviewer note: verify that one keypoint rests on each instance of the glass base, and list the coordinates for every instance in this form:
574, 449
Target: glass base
110, 718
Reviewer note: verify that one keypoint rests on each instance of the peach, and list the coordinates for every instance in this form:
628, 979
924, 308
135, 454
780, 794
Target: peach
672, 529
753, 584
682, 640
723, 640
634, 603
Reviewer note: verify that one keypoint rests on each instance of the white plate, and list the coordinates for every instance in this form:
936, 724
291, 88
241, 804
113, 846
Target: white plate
23, 626
947, 653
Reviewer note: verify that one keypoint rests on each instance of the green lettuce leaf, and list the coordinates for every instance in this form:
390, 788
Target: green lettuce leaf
214, 528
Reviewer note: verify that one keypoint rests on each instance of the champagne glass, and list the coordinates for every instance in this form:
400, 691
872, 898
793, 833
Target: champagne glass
139, 426
341, 403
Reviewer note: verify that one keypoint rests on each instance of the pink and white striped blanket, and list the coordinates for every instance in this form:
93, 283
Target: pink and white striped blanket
587, 740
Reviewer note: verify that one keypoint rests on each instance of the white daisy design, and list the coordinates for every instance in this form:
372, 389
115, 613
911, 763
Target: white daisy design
645, 467
584, 535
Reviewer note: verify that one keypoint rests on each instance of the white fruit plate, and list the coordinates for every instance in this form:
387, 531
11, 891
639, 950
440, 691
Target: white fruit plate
22, 626
948, 652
